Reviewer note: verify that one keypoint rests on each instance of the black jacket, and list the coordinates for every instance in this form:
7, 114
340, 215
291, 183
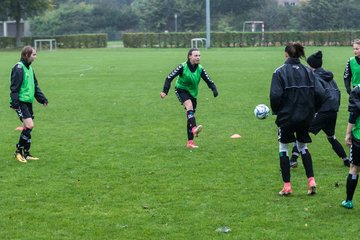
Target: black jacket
354, 100
332, 91
295, 94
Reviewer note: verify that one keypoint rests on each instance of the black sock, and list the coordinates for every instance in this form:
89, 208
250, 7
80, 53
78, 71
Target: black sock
191, 122
351, 183
25, 139
336, 146
191, 118
189, 132
307, 162
284, 166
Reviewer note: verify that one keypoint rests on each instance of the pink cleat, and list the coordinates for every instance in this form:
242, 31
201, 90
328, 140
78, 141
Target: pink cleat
191, 144
286, 189
311, 186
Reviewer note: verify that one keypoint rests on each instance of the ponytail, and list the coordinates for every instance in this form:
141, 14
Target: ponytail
295, 50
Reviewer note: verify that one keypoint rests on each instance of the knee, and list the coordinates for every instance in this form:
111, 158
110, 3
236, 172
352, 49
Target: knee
29, 126
283, 147
301, 147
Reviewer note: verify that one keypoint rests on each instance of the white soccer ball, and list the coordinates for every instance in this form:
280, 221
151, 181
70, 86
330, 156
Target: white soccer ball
261, 111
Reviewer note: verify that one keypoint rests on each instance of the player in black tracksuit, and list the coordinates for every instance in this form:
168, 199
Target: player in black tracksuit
325, 118
295, 96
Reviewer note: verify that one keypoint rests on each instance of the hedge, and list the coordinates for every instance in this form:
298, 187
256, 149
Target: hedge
239, 39
63, 41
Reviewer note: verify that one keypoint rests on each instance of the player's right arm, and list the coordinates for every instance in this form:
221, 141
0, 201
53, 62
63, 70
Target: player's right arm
174, 73
347, 77
15, 85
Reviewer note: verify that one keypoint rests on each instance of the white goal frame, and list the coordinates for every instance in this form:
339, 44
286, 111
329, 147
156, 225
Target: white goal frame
195, 42
253, 27
52, 43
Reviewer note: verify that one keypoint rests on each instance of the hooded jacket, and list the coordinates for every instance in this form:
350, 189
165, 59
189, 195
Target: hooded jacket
332, 91
354, 101
295, 94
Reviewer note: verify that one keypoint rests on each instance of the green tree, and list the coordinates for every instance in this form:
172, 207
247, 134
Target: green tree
70, 18
276, 17
110, 17
318, 15
19, 9
346, 14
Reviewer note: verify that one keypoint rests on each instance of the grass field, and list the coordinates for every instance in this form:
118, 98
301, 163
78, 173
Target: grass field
113, 158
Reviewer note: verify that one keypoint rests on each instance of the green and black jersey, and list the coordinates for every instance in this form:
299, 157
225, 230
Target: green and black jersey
188, 78
24, 86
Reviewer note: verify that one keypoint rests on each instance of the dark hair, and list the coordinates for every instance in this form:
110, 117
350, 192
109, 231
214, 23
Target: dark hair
26, 52
295, 50
191, 51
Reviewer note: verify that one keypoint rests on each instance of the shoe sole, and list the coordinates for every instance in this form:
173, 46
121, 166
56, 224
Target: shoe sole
312, 190
31, 158
347, 207
20, 158
294, 165
281, 193
197, 130
192, 147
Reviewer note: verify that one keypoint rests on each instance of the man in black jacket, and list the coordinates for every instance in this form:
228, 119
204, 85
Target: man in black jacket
295, 96
325, 118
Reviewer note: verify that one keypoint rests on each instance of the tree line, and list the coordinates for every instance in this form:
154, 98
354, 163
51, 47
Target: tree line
58, 17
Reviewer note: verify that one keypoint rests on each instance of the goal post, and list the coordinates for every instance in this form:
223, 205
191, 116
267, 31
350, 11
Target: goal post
253, 25
51, 42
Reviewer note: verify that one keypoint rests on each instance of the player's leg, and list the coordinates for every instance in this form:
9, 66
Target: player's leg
285, 136
294, 156
353, 177
303, 138
28, 127
189, 104
308, 166
329, 129
24, 115
338, 149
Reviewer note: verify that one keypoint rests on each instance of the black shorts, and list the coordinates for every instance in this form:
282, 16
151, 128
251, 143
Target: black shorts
325, 121
355, 152
299, 132
25, 111
184, 95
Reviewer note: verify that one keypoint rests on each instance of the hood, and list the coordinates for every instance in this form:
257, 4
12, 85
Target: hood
325, 75
354, 101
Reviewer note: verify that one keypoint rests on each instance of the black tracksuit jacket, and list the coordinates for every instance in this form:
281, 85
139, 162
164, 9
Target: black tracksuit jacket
295, 94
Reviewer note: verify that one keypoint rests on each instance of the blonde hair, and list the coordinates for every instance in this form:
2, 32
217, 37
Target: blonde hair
357, 41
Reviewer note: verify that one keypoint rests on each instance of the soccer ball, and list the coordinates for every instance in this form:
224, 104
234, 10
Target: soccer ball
261, 111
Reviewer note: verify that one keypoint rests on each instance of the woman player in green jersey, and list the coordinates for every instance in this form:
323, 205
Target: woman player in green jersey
186, 90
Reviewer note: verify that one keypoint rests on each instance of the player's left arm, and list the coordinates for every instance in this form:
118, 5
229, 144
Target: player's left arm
39, 95
209, 82
276, 92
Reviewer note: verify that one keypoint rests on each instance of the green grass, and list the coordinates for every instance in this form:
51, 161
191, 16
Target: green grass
114, 163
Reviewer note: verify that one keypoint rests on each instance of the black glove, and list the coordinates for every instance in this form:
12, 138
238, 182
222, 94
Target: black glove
215, 92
